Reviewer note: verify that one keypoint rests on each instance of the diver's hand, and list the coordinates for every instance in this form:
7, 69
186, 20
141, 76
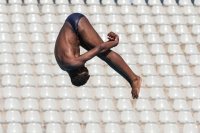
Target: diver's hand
113, 37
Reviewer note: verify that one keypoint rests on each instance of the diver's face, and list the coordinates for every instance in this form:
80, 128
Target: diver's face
80, 71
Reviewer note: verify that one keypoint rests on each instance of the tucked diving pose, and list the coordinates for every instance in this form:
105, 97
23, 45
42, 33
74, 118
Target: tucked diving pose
77, 31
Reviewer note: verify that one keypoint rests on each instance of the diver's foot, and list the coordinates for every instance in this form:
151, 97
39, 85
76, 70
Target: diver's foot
136, 87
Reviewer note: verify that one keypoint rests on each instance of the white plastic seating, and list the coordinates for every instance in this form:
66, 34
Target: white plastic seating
144, 59
93, 127
151, 127
62, 18
180, 105
155, 3
137, 38
98, 19
13, 116
132, 127
124, 104
175, 93
133, 29
183, 70
147, 117
114, 19
68, 104
174, 10
165, 70
178, 20
39, 48
99, 81
182, 29
32, 2
105, 104
195, 105
140, 49
162, 59
95, 61
84, 92
143, 94
166, 117
93, 2
139, 2
191, 49
86, 105
131, 19
193, 93
24, 58
49, 18
7, 69
53, 127
73, 128
117, 81
188, 81
80, 9
25, 69
32, 117
112, 127
148, 70
196, 29
189, 10
103, 92
63, 80
143, 10
185, 117
13, 127
20, 37
193, 20
18, 27
108, 2
27, 80
34, 127
22, 48
47, 92
153, 81
49, 104
110, 9
146, 19
65, 92
117, 28
57, 70
143, 104
34, 18
16, 9
109, 117
63, 9
32, 9
186, 39
162, 20
4, 18
51, 37
49, 28
41, 59
178, 59
169, 127
6, 58
149, 29
128, 117
194, 59
30, 104
174, 49
101, 28
190, 127
11, 104
9, 80
157, 49
165, 29
158, 10
95, 9
161, 104
153, 39
51, 117
48, 9
3, 9
43, 2
196, 70
28, 92
157, 93
10, 92
198, 39
37, 38
17, 18
170, 39
123, 2
124, 49
198, 117
185, 3
4, 27
170, 81
45, 80
71, 117
126, 9
90, 117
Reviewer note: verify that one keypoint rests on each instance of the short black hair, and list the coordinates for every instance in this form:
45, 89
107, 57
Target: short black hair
80, 80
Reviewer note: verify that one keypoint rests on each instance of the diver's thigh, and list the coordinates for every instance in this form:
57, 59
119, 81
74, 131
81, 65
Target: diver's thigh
87, 33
